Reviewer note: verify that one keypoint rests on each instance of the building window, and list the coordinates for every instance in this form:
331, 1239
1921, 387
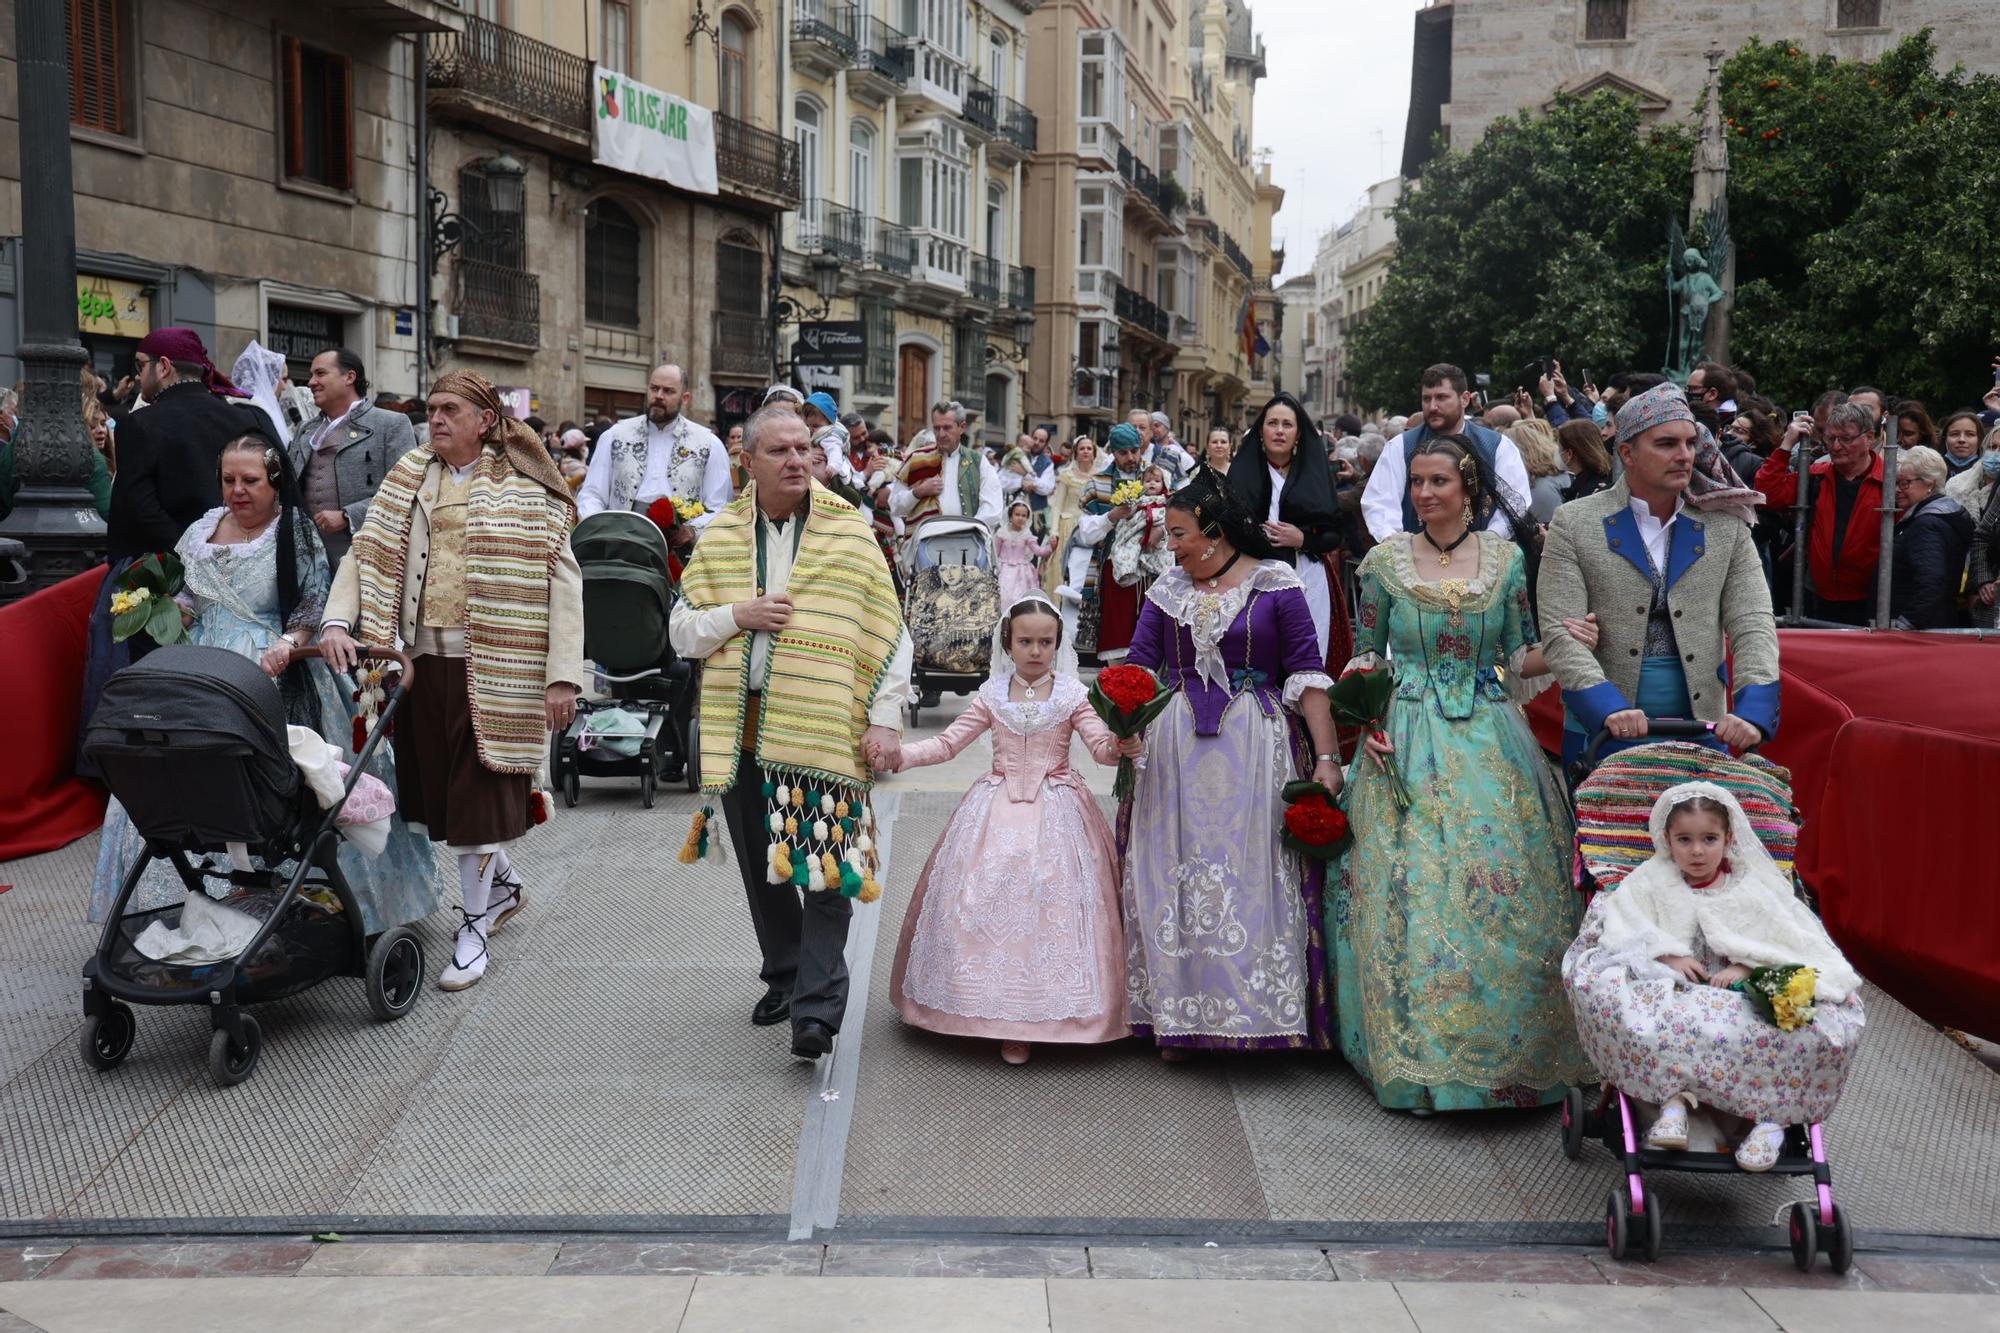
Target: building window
932, 181
614, 43
319, 116
739, 276
610, 266
805, 129
996, 221
101, 61
999, 412
1858, 14
861, 168
734, 46
999, 63
1087, 354
485, 9
878, 371
1604, 20
968, 364
495, 215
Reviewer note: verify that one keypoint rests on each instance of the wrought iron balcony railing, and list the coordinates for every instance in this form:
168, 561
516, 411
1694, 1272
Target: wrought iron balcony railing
981, 106
1020, 288
827, 228
498, 302
987, 276
895, 248
881, 49
742, 344
1018, 125
516, 72
1235, 255
828, 24
755, 159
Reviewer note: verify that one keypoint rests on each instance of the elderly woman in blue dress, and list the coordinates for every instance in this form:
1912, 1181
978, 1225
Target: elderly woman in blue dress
255, 579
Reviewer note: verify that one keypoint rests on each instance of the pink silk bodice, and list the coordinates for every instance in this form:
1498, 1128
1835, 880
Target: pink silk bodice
1030, 740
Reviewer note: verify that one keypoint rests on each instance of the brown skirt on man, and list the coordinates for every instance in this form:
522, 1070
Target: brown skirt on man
440, 780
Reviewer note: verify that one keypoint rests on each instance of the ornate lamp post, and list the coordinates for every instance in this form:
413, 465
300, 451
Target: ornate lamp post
53, 516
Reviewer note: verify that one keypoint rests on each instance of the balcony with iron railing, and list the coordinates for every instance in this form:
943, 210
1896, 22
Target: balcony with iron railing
822, 227
823, 35
987, 280
1018, 125
1235, 254
1134, 309
491, 73
981, 107
1020, 288
894, 249
884, 61
742, 344
496, 303
755, 164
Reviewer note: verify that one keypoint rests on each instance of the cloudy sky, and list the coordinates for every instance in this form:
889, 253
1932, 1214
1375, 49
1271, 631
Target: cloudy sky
1339, 74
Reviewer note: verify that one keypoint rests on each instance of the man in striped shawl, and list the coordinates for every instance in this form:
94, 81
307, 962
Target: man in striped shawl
465, 557
807, 668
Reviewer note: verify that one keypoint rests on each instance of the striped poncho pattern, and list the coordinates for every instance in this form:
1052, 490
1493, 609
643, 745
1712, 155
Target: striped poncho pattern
1615, 802
514, 533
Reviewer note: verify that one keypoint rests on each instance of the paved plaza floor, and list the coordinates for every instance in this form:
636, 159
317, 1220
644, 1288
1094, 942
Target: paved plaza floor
604, 1081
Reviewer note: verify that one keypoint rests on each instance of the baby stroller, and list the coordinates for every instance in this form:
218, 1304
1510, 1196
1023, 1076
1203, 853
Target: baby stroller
1612, 807
951, 605
192, 742
627, 594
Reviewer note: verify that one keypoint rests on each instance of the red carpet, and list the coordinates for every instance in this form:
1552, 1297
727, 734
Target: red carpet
42, 804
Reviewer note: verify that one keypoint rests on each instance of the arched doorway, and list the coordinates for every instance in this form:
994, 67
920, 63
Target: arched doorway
913, 384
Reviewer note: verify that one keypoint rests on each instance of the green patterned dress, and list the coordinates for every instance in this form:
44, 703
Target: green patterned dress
1450, 920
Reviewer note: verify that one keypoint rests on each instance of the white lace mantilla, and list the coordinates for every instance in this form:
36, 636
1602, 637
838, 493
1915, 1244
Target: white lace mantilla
1028, 716
1207, 616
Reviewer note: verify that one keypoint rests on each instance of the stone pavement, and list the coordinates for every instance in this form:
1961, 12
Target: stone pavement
605, 1081
500, 1286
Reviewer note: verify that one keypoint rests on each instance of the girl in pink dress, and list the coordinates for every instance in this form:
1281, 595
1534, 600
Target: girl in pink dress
1014, 930
1018, 548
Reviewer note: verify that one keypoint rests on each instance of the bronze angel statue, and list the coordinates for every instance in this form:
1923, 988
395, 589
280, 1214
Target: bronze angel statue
1693, 289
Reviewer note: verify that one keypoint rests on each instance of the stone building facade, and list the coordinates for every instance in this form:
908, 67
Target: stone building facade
911, 137
570, 279
1479, 60
1141, 201
241, 168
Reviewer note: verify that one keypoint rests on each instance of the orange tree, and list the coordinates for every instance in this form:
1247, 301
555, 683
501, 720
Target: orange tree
1548, 237
1862, 200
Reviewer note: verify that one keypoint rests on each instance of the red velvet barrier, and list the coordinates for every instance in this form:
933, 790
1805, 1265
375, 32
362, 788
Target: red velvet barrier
42, 803
1903, 866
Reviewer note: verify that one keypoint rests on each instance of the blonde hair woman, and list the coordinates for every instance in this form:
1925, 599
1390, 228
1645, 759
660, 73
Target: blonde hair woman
1536, 439
1072, 484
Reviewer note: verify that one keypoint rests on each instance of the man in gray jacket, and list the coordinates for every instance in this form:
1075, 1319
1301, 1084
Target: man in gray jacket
344, 451
1684, 613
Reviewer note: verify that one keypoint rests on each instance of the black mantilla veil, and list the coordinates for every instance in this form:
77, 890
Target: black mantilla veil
1308, 502
298, 547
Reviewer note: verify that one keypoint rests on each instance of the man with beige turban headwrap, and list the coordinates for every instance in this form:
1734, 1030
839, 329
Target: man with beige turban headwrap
465, 557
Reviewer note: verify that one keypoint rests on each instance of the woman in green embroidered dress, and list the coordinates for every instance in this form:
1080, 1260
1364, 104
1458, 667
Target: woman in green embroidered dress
1450, 918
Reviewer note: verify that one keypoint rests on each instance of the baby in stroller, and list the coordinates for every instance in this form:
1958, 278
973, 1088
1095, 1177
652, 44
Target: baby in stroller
1657, 975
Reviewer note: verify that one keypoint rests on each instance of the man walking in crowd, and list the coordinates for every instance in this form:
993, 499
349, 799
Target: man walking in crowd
1844, 530
1037, 484
1087, 575
344, 451
663, 453
965, 482
1166, 450
788, 601
1678, 594
1385, 504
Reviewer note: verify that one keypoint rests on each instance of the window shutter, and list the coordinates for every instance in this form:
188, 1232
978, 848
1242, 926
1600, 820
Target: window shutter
96, 60
340, 123
295, 120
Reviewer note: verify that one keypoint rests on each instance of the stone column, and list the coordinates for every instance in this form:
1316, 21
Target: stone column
53, 519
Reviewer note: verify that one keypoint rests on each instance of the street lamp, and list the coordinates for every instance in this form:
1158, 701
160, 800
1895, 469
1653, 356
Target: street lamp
506, 191
826, 284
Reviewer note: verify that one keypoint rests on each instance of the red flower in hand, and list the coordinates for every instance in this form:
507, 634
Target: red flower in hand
1129, 688
1314, 821
661, 511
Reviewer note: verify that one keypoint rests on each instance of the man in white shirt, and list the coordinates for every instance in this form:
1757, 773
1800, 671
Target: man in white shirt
662, 453
952, 492
1385, 504
1038, 483
801, 944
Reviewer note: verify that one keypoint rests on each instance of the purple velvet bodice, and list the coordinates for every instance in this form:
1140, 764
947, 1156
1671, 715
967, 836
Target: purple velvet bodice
1270, 639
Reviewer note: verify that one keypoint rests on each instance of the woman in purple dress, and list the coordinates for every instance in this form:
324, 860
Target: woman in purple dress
1224, 941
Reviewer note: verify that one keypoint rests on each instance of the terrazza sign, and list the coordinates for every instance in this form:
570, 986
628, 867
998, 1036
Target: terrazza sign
650, 133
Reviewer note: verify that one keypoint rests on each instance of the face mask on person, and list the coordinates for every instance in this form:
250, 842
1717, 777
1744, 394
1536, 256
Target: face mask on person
1990, 464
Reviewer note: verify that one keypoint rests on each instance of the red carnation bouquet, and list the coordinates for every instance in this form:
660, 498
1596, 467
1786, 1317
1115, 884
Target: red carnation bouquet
1361, 698
1128, 698
1314, 825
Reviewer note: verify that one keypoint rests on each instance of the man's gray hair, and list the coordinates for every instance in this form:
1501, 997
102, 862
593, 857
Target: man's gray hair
951, 405
852, 419
1370, 448
1852, 416
763, 418
1162, 419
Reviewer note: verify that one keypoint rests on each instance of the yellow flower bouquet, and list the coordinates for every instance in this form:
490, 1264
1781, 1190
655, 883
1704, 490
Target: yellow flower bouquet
1127, 493
142, 600
688, 510
1783, 994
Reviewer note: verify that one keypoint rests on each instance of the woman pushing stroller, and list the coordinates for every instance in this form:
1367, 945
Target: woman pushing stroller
1664, 977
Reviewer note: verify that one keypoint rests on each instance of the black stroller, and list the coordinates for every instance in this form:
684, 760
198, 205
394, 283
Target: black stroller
192, 742
627, 594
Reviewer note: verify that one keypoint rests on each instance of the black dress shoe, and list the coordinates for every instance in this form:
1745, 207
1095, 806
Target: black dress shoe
773, 1009
811, 1039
